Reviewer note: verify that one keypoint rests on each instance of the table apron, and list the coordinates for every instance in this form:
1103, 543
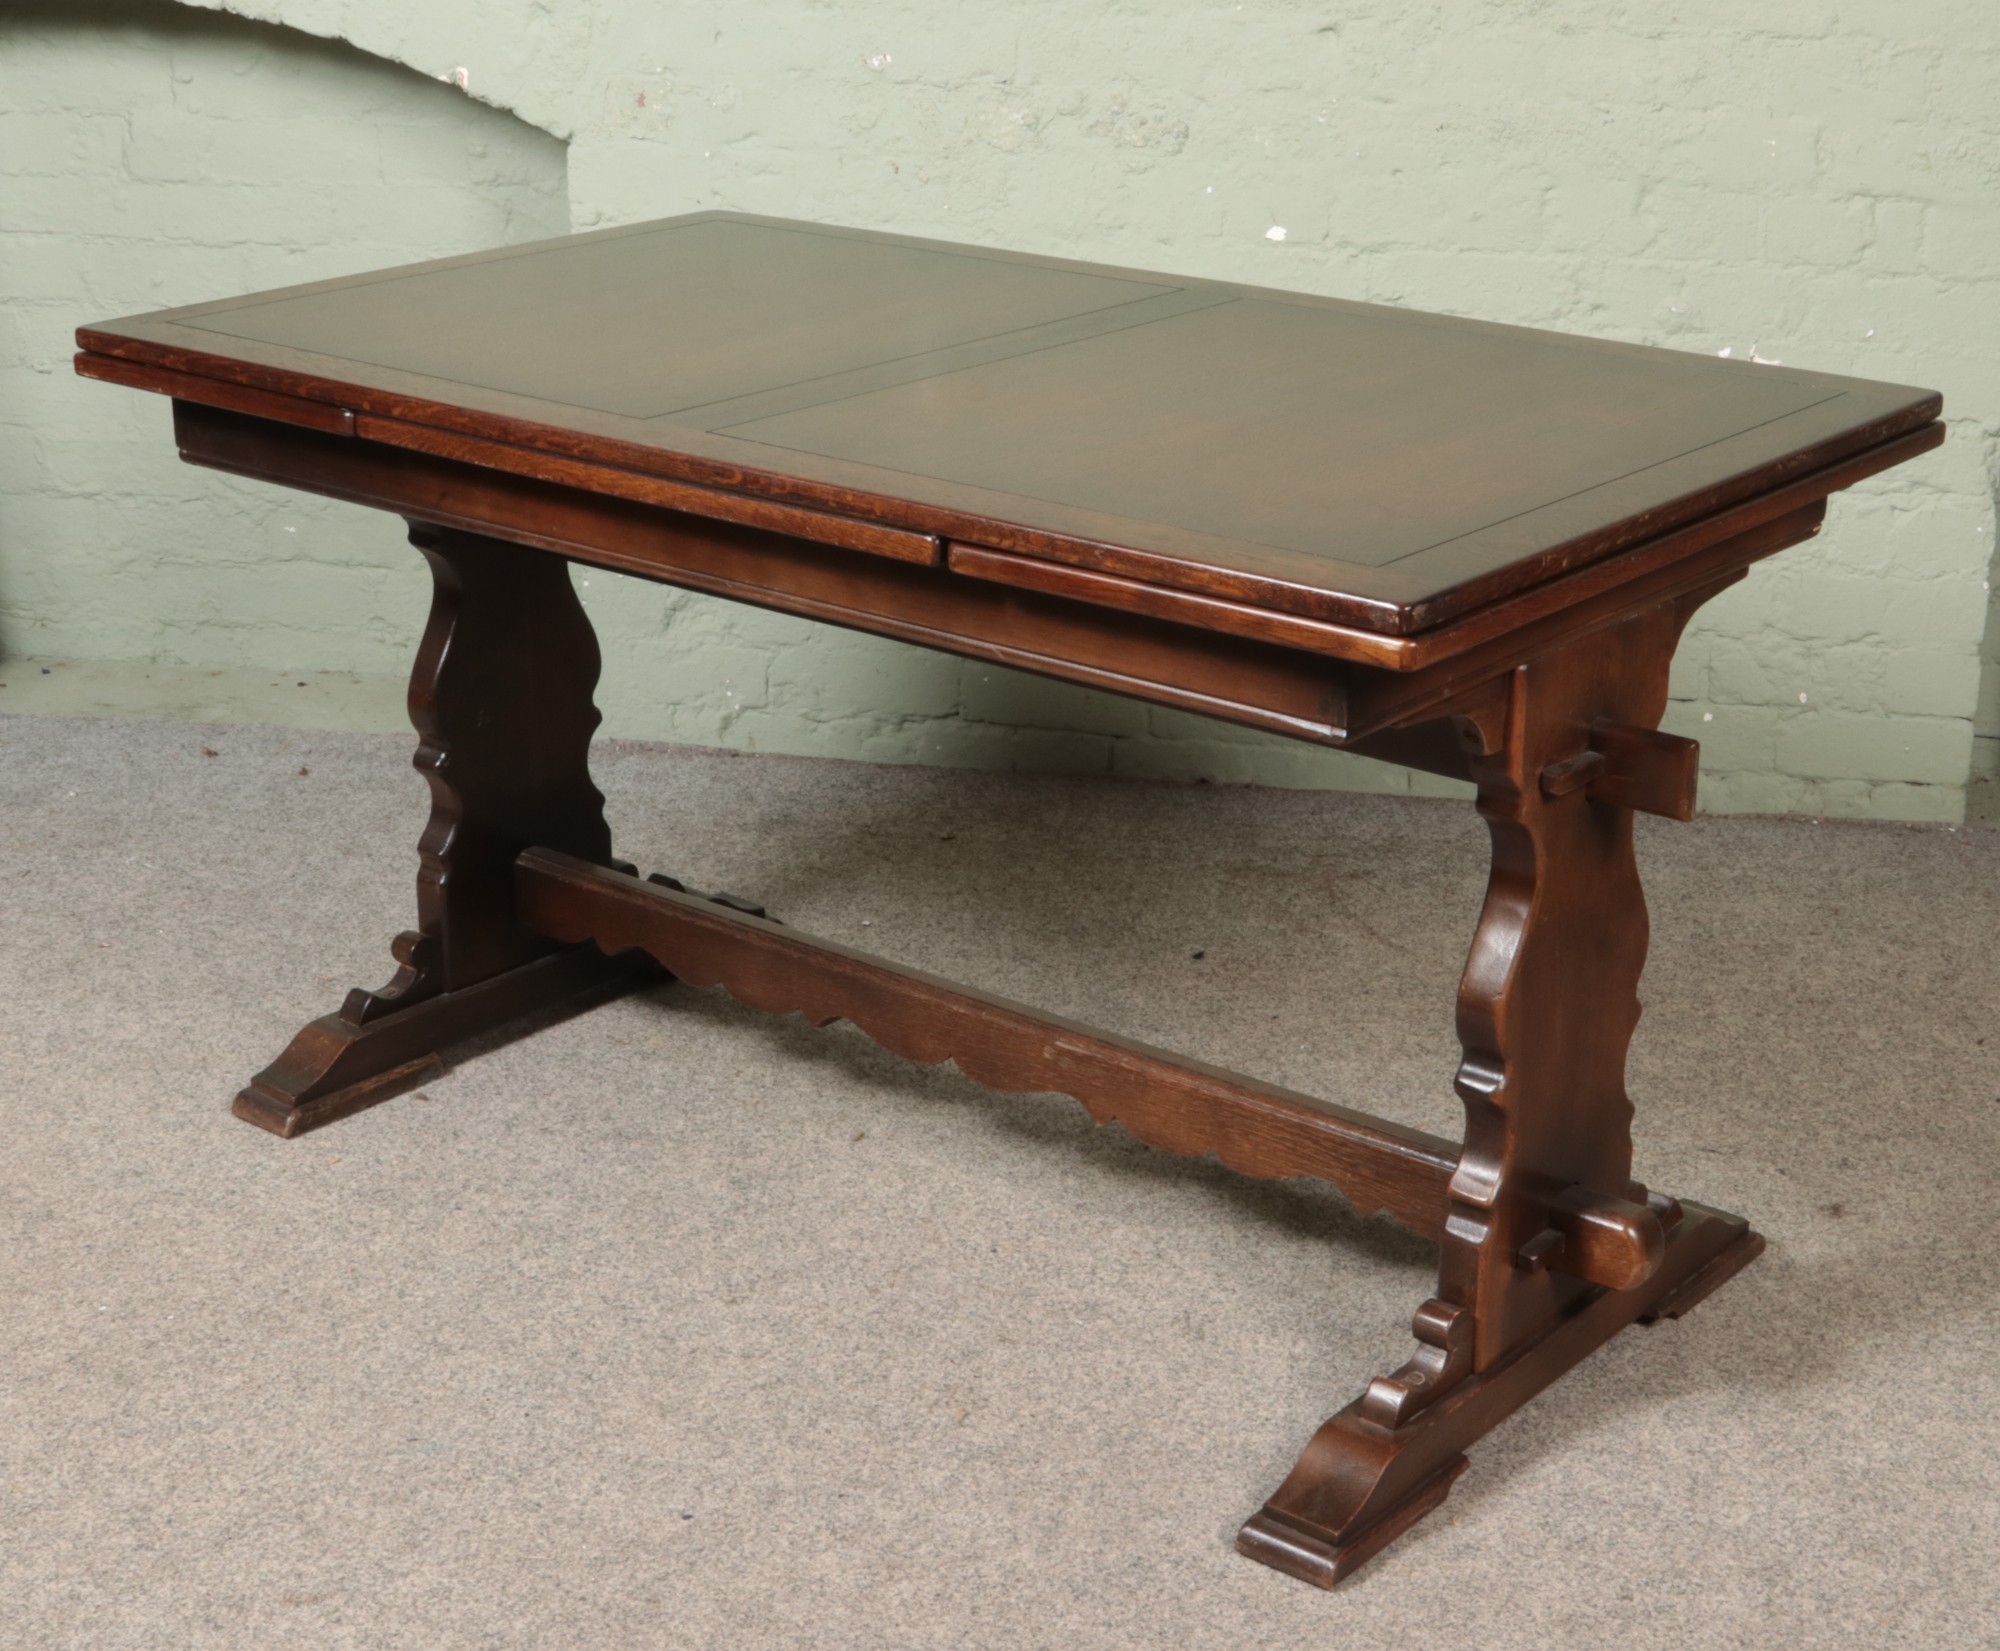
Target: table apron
1255, 683
1236, 679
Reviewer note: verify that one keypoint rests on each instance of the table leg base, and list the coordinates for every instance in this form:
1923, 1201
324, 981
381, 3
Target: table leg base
1274, 1540
334, 1068
1359, 1485
1705, 1283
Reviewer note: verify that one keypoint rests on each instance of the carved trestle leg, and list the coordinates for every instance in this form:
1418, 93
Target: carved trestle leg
501, 700
1547, 1006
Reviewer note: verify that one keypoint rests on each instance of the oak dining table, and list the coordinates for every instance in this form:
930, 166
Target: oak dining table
1465, 547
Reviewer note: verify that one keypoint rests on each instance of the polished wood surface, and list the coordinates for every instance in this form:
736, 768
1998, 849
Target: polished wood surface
1168, 1101
1469, 549
501, 699
1373, 467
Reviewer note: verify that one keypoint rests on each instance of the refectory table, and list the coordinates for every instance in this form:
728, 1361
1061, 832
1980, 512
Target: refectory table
1464, 547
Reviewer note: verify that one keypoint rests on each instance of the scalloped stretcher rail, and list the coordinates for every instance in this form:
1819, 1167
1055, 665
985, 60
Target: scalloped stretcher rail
1168, 1101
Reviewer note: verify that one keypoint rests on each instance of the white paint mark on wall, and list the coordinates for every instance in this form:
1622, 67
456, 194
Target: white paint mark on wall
881, 60
1275, 233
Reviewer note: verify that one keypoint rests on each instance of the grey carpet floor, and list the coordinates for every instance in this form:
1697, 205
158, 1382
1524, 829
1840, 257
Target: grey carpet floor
680, 1326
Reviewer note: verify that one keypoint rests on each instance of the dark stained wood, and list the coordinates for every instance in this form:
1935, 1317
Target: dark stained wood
814, 526
1259, 684
1613, 579
1546, 1009
215, 392
1410, 454
1637, 768
337, 1066
1168, 1101
1003, 567
1645, 770
1800, 498
1464, 547
1572, 773
1253, 683
501, 699
1549, 999
1348, 462
1378, 701
1359, 1484
682, 317
1599, 1236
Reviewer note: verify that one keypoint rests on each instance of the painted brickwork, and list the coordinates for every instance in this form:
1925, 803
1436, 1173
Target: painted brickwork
144, 165
1812, 181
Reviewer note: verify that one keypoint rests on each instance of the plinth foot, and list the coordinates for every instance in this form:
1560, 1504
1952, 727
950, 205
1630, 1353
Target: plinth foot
334, 1067
1279, 1542
1360, 1484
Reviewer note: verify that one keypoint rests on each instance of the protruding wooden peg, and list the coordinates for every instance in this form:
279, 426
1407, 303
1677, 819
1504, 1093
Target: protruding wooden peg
1629, 767
1614, 1242
1610, 1241
1541, 1252
1559, 779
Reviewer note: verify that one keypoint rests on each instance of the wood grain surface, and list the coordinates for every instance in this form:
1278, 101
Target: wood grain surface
1372, 467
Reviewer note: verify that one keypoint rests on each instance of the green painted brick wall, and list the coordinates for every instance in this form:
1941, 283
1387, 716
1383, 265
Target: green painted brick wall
1812, 181
150, 153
